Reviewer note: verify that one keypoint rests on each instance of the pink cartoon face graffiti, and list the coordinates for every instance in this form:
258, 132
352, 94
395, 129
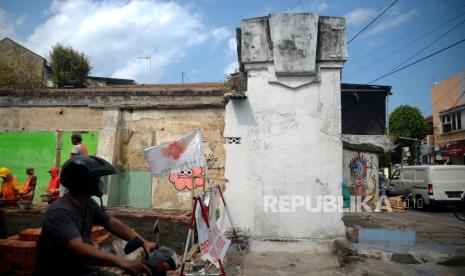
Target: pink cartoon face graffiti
187, 179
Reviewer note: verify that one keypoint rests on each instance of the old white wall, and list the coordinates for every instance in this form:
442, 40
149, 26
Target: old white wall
290, 145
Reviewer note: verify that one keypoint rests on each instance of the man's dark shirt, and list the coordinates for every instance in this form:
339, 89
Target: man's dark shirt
64, 221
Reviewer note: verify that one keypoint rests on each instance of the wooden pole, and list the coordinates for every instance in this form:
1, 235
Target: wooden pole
189, 235
58, 148
193, 196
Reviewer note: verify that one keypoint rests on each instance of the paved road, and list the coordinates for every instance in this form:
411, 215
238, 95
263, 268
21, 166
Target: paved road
431, 227
440, 217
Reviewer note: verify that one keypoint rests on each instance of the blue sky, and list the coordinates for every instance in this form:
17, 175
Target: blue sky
198, 37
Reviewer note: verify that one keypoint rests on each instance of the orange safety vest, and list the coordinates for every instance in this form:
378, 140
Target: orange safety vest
84, 149
54, 183
11, 188
27, 188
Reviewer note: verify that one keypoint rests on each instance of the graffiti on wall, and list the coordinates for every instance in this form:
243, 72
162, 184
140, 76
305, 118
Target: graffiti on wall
211, 160
189, 179
359, 168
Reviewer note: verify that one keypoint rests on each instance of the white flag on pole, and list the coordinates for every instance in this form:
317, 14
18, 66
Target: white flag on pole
213, 244
182, 154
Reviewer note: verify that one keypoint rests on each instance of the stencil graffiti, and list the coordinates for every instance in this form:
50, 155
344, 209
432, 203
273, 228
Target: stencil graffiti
189, 179
211, 160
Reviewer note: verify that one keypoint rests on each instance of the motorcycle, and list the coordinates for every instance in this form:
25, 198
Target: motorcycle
161, 260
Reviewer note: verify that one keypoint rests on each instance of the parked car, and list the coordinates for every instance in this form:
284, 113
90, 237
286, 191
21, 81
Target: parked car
437, 185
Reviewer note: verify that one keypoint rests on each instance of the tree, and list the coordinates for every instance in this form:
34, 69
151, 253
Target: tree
69, 67
17, 72
407, 121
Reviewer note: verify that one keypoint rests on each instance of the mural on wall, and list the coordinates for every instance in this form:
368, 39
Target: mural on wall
360, 168
373, 165
358, 172
189, 179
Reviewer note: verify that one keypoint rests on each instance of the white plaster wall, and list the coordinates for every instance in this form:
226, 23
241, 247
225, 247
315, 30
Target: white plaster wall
290, 146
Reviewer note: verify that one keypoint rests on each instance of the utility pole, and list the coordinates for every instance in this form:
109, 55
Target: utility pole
182, 77
149, 59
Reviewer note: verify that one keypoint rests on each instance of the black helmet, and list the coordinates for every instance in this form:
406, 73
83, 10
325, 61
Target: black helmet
81, 174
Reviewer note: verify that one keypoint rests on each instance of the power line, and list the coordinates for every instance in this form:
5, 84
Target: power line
438, 18
430, 44
417, 61
373, 21
404, 46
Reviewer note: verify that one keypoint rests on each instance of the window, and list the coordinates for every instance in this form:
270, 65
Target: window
407, 175
451, 122
459, 120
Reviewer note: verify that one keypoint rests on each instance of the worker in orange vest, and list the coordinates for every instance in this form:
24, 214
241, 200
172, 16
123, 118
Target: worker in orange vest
10, 185
30, 185
79, 148
53, 187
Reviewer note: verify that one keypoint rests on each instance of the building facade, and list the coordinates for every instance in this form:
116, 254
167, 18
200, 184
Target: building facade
18, 61
364, 136
448, 98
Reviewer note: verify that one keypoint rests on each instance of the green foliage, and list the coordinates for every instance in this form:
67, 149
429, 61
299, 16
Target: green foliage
69, 67
227, 82
407, 121
17, 71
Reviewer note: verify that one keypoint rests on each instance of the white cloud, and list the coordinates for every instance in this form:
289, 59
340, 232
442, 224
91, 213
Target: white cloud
233, 65
221, 33
231, 68
114, 34
20, 21
359, 16
6, 25
232, 46
321, 7
394, 19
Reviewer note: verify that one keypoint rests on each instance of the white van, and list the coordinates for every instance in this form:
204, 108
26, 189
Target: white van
437, 185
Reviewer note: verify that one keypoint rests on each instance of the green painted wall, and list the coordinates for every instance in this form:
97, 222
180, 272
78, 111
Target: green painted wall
20, 150
131, 188
90, 139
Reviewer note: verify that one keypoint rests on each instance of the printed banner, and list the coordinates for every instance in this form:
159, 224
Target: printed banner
213, 244
183, 154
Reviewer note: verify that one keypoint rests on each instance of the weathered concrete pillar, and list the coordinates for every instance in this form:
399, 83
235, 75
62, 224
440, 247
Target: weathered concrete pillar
108, 141
289, 156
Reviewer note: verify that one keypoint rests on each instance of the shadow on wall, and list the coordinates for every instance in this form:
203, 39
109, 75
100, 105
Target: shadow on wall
244, 112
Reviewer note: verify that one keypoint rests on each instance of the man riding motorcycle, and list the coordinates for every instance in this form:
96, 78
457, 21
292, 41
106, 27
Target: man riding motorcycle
65, 244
